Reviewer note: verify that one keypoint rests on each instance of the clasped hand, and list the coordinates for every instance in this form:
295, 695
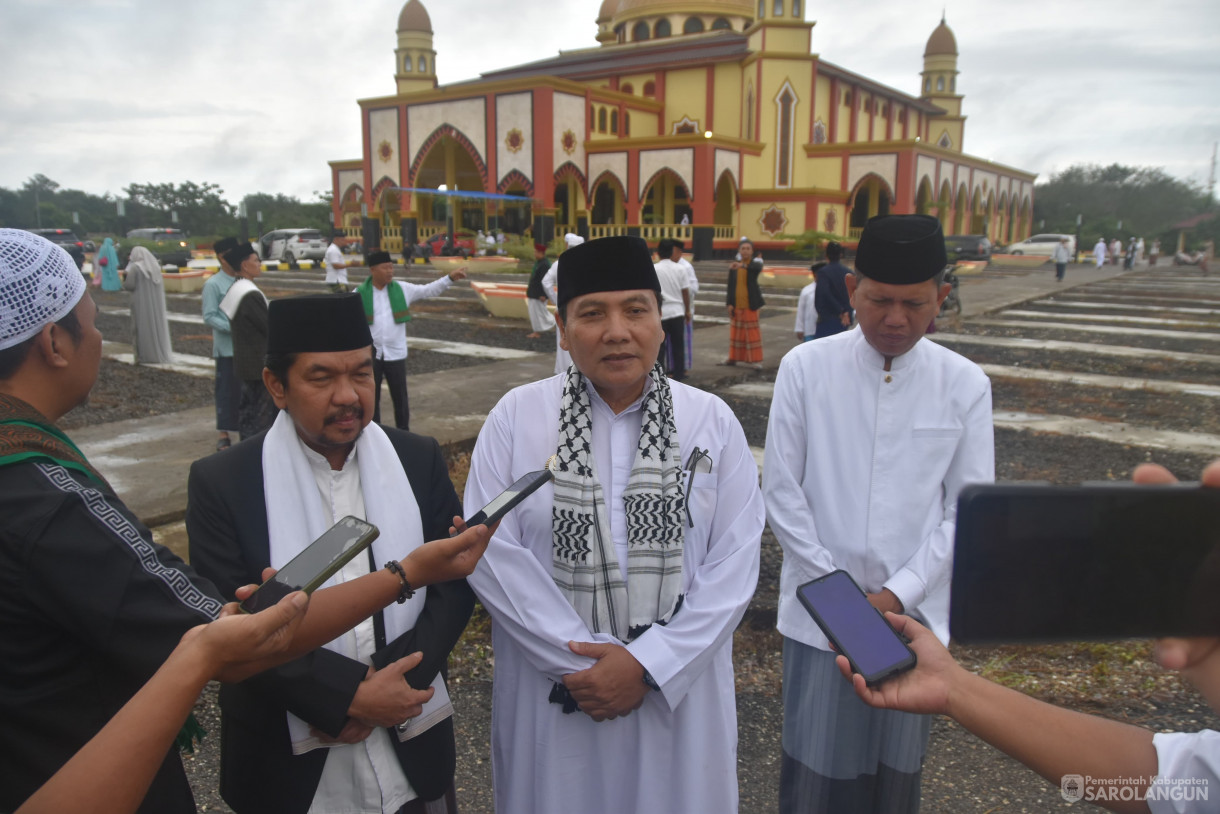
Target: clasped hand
612, 687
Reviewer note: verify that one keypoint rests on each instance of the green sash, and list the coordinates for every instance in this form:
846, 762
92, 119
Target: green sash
398, 301
27, 435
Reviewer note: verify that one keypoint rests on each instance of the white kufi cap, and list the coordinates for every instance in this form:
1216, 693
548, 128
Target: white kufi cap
39, 284
573, 239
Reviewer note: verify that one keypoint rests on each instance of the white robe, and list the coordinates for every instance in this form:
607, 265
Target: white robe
1099, 253
678, 752
863, 468
806, 313
550, 284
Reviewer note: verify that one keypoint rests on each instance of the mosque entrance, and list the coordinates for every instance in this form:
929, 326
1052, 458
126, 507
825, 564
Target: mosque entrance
449, 165
607, 200
666, 201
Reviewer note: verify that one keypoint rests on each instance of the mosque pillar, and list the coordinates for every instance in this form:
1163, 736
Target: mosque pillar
633, 189
703, 202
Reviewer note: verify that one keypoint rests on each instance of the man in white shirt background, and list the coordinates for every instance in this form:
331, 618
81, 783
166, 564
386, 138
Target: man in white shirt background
806, 311
675, 310
387, 306
336, 264
872, 434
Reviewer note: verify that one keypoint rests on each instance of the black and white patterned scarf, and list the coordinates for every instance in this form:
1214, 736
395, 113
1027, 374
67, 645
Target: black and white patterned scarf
583, 561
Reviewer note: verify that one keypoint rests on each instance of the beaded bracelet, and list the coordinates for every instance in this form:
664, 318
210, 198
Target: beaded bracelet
405, 591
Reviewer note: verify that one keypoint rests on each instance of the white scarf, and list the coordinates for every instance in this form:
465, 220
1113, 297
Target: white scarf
236, 293
584, 564
296, 517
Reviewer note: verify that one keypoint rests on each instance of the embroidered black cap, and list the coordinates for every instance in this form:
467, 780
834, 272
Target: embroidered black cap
239, 253
619, 263
324, 323
901, 249
377, 258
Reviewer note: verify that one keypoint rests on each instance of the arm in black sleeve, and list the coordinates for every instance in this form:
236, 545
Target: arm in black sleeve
318, 687
448, 605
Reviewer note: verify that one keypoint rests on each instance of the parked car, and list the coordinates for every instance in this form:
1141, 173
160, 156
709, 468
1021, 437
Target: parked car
68, 239
286, 244
464, 244
968, 247
170, 246
1041, 245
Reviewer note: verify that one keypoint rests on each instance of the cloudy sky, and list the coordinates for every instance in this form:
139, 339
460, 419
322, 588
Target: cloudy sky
257, 95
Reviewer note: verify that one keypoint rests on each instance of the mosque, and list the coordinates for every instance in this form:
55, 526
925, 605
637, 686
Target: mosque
698, 119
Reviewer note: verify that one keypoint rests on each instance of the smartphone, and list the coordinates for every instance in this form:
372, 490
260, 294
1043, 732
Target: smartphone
856, 629
507, 500
320, 560
1105, 561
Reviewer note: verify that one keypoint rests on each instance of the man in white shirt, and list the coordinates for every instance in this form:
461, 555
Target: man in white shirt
678, 255
387, 306
614, 591
873, 432
675, 310
336, 264
550, 285
806, 312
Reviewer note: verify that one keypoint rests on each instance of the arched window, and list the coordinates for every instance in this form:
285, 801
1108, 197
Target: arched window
784, 127
940, 83
927, 84
693, 25
650, 88
778, 10
721, 24
796, 8
762, 8
614, 122
601, 120
663, 28
640, 32
953, 84
423, 64
406, 64
626, 88
626, 123
750, 113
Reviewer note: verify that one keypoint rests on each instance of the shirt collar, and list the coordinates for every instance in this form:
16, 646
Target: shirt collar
317, 461
871, 359
596, 399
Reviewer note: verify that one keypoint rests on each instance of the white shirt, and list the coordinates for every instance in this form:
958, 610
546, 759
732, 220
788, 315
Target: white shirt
673, 282
806, 314
692, 281
334, 256
863, 468
550, 284
1188, 772
1062, 255
678, 751
365, 777
390, 337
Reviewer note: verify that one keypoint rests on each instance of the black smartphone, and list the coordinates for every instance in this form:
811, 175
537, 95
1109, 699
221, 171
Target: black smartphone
507, 500
320, 560
856, 629
1108, 561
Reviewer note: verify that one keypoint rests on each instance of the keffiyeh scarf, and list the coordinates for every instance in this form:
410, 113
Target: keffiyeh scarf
584, 563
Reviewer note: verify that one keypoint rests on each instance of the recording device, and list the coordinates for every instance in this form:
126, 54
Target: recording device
508, 500
321, 560
856, 629
1104, 561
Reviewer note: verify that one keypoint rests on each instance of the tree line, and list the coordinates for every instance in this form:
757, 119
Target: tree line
200, 208
1123, 202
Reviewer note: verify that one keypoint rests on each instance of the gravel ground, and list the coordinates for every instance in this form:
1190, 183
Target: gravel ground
962, 774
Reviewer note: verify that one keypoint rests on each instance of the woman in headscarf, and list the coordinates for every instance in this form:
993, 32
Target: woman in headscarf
744, 299
107, 261
149, 327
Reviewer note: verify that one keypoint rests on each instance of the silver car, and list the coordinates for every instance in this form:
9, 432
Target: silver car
285, 245
1041, 245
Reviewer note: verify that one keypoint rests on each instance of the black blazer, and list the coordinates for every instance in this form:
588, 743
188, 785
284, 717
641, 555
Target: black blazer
753, 292
226, 520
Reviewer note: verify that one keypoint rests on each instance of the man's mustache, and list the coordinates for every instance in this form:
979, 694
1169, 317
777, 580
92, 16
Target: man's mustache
356, 412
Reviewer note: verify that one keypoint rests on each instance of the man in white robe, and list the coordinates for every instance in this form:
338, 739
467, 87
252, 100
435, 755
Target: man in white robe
1099, 252
595, 709
550, 284
872, 434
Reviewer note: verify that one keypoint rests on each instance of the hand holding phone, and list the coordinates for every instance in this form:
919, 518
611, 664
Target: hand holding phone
318, 562
856, 629
510, 498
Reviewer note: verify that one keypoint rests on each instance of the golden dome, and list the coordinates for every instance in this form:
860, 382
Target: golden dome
414, 17
942, 41
607, 10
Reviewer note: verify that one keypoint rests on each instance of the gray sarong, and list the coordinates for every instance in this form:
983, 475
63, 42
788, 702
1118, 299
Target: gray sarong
839, 754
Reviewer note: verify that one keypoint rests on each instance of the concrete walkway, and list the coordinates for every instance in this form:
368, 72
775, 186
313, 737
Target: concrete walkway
147, 459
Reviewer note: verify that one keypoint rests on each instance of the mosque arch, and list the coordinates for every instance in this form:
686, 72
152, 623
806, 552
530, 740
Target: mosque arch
640, 31
349, 205
607, 196
989, 222
961, 208
693, 25
650, 88
872, 196
944, 203
662, 29
626, 87
569, 197
1005, 219
721, 24
515, 180
924, 202
725, 197
568, 170
449, 138
665, 198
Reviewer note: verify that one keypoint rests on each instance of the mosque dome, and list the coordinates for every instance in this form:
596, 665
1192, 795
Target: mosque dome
414, 17
942, 42
635, 8
607, 10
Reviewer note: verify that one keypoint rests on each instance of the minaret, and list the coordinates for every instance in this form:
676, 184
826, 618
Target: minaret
939, 86
414, 57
